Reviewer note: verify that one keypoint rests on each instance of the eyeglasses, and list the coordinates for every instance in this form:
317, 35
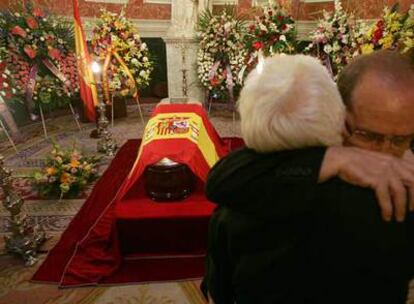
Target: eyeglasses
378, 139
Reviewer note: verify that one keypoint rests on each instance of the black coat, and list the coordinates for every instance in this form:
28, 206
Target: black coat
280, 237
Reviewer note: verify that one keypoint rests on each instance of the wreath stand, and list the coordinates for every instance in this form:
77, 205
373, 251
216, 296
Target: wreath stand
105, 82
42, 117
3, 127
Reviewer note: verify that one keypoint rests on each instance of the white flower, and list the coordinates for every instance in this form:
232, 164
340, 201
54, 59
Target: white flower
5, 84
134, 61
327, 49
42, 38
227, 27
4, 76
282, 38
336, 46
143, 46
262, 27
145, 59
17, 14
142, 73
13, 90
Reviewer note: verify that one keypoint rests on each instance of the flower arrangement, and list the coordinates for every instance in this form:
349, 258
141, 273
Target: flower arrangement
115, 31
386, 32
66, 173
333, 40
38, 45
222, 55
407, 33
273, 32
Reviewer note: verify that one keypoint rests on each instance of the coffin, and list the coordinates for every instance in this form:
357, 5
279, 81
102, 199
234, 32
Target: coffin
168, 181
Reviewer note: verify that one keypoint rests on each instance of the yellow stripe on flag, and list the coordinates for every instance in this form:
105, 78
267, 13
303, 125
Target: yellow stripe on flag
181, 126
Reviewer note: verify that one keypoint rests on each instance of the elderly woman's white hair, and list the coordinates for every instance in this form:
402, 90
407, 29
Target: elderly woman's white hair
290, 102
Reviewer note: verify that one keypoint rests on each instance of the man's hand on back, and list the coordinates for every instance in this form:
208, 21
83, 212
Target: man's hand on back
391, 178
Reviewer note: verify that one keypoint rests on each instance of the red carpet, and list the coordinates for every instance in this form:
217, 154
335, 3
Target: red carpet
179, 255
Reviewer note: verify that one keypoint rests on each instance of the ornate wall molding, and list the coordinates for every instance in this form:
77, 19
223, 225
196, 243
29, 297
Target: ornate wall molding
152, 28
148, 28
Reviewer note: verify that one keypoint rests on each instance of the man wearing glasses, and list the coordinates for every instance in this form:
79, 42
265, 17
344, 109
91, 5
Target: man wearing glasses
354, 245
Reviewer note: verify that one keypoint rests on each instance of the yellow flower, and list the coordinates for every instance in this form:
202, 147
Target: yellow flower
409, 44
367, 48
387, 42
395, 26
74, 163
51, 171
118, 25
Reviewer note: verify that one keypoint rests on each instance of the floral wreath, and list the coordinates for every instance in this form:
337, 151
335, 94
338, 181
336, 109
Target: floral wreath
222, 55
333, 40
393, 30
131, 67
39, 46
273, 32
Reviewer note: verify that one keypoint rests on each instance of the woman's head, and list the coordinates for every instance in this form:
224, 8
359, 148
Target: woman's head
290, 102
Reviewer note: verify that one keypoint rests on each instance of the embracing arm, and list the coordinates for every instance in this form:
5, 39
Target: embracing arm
284, 182
274, 183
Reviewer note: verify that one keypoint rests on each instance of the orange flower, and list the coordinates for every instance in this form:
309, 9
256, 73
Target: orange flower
74, 163
65, 178
51, 171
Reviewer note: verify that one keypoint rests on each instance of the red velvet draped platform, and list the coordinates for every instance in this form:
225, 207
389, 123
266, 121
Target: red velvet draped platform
121, 236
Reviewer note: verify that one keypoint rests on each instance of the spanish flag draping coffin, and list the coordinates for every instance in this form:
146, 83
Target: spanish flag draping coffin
184, 135
132, 228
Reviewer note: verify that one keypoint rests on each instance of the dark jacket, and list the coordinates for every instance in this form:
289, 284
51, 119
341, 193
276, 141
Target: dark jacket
280, 237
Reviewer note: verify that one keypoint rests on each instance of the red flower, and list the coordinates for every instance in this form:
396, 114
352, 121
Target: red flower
17, 30
258, 45
284, 27
378, 34
380, 24
280, 18
32, 23
37, 12
54, 54
30, 51
214, 81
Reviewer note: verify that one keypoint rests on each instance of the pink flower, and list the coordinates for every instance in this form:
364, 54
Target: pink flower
17, 30
37, 12
32, 23
30, 51
54, 54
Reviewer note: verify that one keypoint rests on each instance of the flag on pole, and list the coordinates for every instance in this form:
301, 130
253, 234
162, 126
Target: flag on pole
87, 85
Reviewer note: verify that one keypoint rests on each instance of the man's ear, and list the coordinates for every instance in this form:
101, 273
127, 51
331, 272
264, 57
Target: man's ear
348, 125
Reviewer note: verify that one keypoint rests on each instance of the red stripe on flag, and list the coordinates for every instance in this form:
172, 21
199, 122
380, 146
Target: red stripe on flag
88, 92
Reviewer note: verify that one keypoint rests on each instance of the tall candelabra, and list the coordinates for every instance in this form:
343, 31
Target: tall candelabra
106, 144
25, 239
